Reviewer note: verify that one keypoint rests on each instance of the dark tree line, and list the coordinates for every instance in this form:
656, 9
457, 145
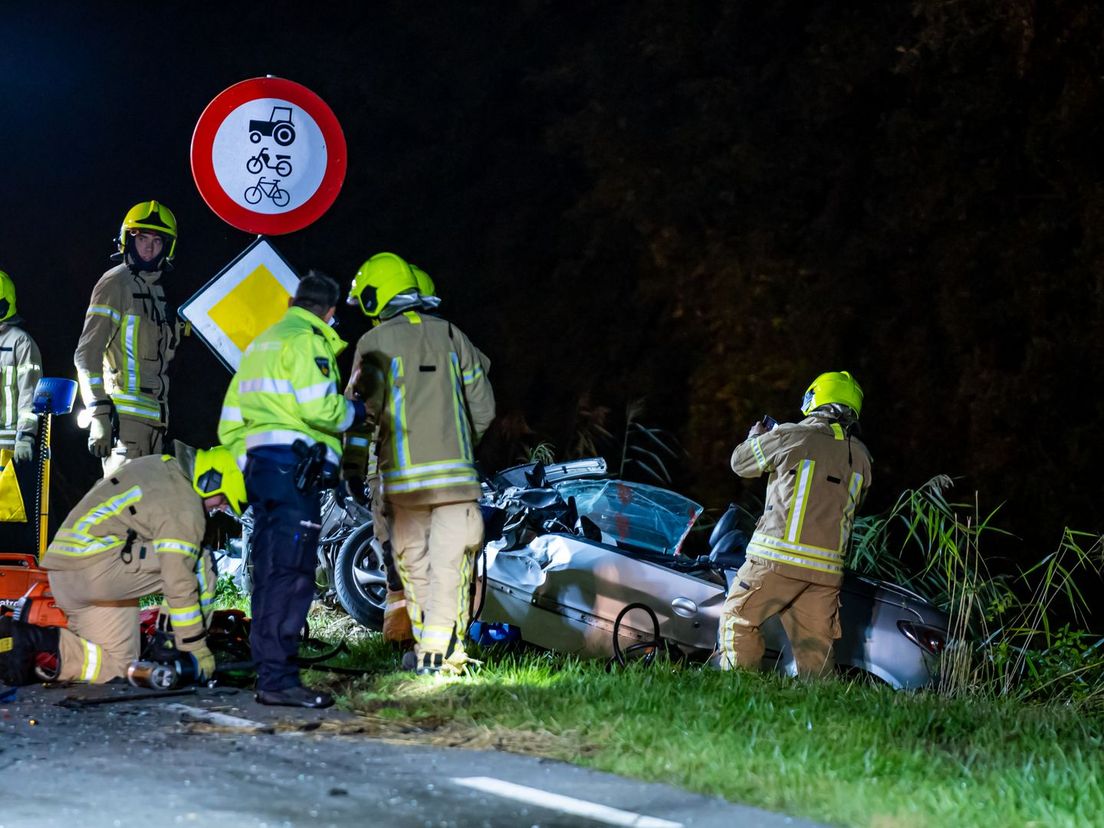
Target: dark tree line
699, 205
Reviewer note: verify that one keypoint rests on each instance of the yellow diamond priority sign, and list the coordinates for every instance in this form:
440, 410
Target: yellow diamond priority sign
248, 296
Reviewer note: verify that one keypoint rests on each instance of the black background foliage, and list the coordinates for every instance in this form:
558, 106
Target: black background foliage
702, 205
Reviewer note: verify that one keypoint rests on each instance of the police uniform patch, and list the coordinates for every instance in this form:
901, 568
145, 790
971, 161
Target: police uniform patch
323, 366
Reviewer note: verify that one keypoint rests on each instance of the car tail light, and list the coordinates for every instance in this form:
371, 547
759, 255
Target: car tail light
929, 639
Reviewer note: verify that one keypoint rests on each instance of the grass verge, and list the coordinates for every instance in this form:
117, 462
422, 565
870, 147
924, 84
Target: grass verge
835, 752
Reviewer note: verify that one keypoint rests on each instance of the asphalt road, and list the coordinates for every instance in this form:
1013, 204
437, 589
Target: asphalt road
217, 758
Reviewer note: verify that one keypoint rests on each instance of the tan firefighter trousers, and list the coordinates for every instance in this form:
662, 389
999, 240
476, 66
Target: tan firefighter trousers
137, 438
101, 601
434, 548
810, 617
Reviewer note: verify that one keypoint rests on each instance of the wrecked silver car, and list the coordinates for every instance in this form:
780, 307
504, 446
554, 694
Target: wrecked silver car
593, 566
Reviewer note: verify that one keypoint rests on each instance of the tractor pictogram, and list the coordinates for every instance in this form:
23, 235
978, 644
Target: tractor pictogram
279, 126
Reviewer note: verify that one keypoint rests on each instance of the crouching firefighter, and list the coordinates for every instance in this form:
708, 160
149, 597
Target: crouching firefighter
819, 472
137, 532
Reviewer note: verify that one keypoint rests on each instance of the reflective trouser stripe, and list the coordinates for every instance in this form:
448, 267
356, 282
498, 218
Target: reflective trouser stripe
93, 659
435, 639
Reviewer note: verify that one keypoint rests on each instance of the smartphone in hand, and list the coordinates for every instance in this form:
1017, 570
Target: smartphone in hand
769, 422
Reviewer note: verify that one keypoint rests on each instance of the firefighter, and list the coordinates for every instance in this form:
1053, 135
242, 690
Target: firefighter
128, 342
819, 472
20, 371
284, 411
427, 387
137, 532
360, 461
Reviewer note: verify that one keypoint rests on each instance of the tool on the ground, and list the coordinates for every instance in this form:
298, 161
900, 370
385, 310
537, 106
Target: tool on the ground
75, 703
159, 675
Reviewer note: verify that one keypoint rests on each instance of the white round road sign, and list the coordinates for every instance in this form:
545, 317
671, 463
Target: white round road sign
268, 156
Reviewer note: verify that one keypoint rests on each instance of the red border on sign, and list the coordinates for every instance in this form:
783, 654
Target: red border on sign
203, 167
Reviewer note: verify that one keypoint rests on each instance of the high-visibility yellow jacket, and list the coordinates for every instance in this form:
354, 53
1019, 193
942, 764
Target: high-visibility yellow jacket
818, 477
20, 370
431, 397
286, 389
126, 346
146, 508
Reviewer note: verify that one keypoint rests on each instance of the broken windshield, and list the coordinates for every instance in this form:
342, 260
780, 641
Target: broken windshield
634, 514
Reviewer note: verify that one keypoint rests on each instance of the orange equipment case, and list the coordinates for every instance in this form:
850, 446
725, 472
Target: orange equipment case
25, 591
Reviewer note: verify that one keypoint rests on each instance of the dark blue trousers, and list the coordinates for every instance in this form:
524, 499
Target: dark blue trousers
285, 553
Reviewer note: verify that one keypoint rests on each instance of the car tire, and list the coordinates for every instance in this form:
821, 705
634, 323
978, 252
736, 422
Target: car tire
357, 560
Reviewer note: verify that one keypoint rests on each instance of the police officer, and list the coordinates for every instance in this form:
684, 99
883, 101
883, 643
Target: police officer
283, 404
136, 532
128, 342
819, 472
426, 385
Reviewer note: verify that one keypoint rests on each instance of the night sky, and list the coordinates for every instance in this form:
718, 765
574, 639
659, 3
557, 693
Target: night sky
701, 206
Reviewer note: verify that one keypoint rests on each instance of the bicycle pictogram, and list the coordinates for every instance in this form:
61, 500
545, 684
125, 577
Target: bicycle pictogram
279, 126
270, 188
262, 160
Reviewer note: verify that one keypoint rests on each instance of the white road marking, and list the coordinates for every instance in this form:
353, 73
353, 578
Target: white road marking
215, 717
564, 804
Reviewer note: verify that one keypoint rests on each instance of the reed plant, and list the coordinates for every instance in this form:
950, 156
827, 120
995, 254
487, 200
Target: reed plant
1015, 631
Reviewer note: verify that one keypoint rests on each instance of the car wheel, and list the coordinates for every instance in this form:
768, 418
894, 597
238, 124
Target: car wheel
360, 579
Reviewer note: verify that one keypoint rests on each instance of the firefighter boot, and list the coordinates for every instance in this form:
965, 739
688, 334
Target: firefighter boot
20, 647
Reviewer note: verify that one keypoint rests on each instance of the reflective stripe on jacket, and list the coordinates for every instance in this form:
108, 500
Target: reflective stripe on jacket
286, 389
818, 477
20, 370
433, 401
126, 346
149, 500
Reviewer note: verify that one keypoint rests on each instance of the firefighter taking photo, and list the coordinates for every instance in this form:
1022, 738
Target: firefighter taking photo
819, 472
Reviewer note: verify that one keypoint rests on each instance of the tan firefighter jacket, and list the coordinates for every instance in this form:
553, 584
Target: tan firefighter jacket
149, 515
20, 370
429, 393
126, 346
818, 477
